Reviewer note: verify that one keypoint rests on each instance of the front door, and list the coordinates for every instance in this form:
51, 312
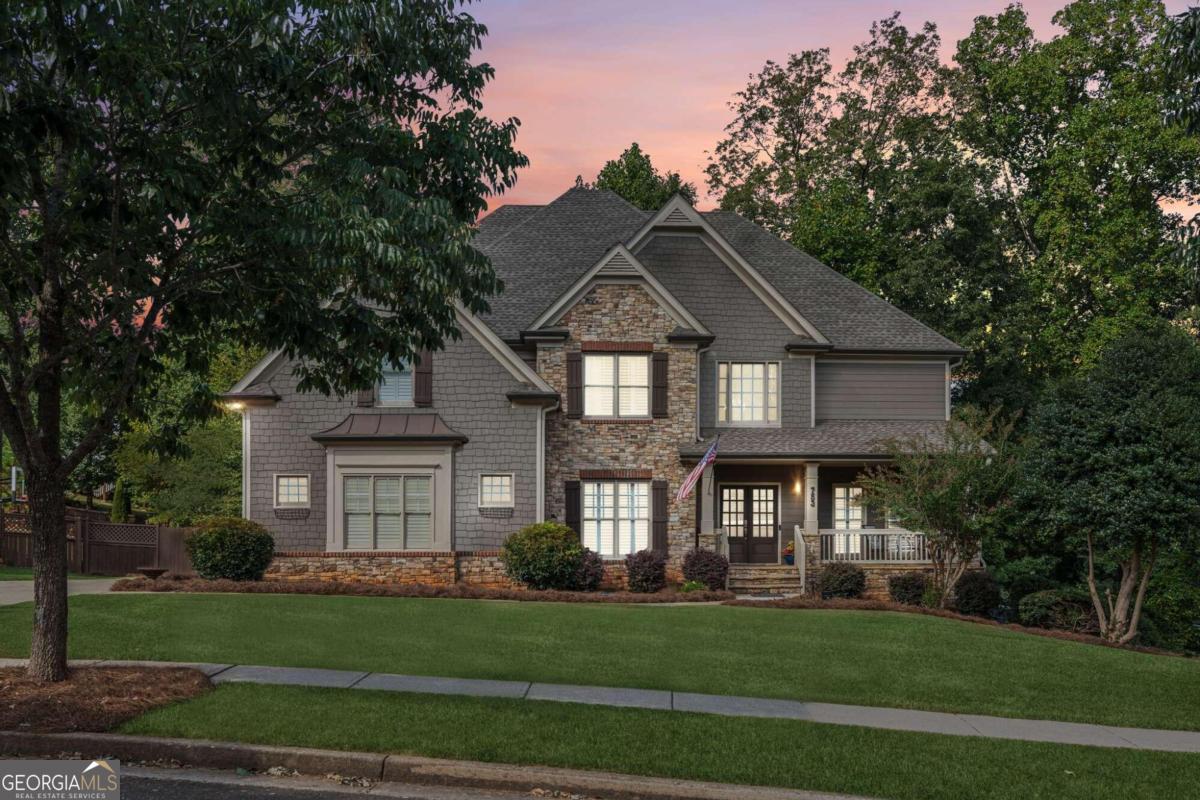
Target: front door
750, 517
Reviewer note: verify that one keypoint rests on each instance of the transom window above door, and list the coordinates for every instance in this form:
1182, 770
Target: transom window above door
395, 385
616, 517
616, 385
748, 393
388, 512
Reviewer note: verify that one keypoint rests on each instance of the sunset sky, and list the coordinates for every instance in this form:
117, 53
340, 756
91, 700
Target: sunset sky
588, 78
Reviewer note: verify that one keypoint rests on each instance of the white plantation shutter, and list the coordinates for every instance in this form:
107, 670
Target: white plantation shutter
357, 503
418, 508
389, 522
396, 386
634, 380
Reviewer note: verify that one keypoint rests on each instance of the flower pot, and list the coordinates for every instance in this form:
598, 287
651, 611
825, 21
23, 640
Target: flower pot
789, 558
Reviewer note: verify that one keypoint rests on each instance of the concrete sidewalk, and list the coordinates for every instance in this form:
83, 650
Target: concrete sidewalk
900, 719
13, 592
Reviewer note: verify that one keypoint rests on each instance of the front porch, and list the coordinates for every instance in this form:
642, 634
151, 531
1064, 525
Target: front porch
779, 523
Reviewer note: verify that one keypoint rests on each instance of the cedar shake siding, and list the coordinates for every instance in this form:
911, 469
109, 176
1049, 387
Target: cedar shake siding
745, 329
872, 390
468, 392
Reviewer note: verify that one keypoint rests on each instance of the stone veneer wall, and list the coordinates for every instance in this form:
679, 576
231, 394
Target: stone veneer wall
623, 313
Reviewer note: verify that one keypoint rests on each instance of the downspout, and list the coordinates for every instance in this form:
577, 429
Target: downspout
540, 514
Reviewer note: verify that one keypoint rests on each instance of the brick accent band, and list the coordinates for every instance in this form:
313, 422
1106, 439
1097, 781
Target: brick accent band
615, 474
617, 347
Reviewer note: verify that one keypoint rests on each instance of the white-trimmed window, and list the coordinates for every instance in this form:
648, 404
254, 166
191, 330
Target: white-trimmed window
616, 517
291, 491
387, 512
616, 385
847, 507
395, 385
496, 490
748, 393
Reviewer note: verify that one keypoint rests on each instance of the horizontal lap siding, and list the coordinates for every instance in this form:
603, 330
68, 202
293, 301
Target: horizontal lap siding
848, 390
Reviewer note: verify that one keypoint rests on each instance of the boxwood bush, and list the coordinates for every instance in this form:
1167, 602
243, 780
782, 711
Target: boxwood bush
232, 548
977, 594
545, 555
707, 567
647, 571
1067, 610
908, 588
842, 579
590, 574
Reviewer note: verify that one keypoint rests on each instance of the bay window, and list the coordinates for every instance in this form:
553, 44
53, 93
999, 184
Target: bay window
388, 512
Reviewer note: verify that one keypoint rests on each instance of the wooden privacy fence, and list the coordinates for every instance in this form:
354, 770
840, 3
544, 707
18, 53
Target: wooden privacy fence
96, 546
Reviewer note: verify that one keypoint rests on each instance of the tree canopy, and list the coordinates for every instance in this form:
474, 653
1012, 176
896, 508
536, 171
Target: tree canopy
273, 171
635, 178
1114, 465
1013, 200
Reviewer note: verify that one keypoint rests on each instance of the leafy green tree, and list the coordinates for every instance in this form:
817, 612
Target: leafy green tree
1074, 128
633, 177
1114, 466
954, 490
1182, 40
270, 171
860, 168
122, 504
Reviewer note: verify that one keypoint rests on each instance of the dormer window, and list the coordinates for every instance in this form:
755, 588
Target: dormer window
395, 385
748, 393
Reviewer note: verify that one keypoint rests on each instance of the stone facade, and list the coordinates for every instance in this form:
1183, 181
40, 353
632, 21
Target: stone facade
623, 313
431, 569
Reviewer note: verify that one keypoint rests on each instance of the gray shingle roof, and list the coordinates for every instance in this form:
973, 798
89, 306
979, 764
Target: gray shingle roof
841, 438
539, 251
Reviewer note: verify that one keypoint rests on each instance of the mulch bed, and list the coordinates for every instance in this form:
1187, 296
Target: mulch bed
847, 604
92, 698
171, 583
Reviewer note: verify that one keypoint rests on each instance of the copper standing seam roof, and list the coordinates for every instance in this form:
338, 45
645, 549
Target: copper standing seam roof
384, 427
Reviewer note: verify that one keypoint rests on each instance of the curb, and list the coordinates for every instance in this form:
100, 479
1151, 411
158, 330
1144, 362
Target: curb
388, 768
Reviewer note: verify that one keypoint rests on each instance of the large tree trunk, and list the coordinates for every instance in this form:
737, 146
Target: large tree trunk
1118, 621
48, 650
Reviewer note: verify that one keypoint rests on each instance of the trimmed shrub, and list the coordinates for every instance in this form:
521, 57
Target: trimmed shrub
842, 579
908, 588
706, 567
977, 594
232, 548
590, 574
692, 586
1066, 610
647, 571
545, 555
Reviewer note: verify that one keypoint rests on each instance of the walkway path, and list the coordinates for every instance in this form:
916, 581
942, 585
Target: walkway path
901, 719
13, 592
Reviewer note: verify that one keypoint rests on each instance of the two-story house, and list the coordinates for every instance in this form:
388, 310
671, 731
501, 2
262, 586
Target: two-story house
623, 344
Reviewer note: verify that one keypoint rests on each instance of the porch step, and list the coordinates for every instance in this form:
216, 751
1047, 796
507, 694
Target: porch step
764, 579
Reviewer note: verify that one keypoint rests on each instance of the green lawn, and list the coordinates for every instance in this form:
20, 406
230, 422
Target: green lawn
869, 658
694, 746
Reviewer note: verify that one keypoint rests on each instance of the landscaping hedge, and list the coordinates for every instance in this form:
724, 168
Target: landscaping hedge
977, 594
647, 571
1068, 610
545, 555
908, 588
707, 567
842, 579
231, 548
590, 573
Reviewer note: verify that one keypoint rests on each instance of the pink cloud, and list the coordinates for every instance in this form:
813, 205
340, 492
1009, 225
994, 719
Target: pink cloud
586, 79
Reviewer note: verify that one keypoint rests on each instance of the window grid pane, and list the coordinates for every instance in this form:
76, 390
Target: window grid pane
388, 512
395, 385
616, 386
291, 490
495, 490
748, 393
616, 517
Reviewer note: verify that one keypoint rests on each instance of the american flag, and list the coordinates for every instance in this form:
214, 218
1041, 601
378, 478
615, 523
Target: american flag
689, 482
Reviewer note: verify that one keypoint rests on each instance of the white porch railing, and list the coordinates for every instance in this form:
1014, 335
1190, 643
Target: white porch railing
873, 545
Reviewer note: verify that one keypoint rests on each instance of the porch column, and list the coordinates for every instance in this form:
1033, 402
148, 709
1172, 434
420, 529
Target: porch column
812, 502
708, 504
